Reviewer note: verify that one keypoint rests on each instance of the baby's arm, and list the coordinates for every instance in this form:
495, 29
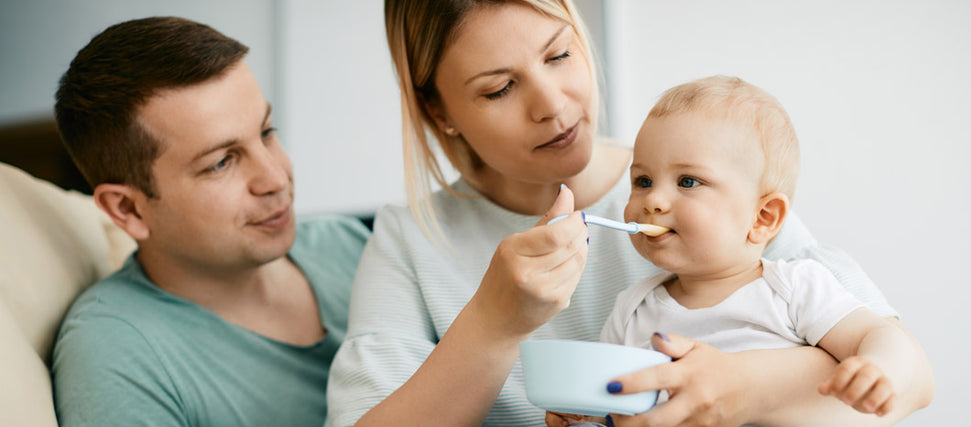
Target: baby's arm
874, 355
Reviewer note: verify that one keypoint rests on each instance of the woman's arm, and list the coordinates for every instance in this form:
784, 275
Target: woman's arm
765, 387
530, 279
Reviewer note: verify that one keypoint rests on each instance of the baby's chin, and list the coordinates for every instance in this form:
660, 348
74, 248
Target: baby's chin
640, 245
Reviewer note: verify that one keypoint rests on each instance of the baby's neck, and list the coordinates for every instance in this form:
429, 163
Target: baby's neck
708, 290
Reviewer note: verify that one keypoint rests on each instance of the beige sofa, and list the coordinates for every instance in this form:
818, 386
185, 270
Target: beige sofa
53, 244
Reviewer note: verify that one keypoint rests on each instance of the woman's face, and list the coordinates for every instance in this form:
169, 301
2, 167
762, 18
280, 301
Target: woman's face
515, 84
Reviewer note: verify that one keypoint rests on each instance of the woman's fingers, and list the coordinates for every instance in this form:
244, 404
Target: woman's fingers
699, 388
540, 241
665, 376
673, 345
533, 274
561, 206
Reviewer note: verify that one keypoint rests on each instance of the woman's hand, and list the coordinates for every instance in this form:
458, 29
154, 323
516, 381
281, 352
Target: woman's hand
533, 274
702, 386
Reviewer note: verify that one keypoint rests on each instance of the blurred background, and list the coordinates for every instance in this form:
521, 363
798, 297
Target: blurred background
878, 91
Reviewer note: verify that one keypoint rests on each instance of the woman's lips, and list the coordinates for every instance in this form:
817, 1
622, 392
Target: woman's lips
562, 140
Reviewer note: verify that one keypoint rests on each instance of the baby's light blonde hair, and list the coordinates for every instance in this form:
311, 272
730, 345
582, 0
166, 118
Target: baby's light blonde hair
746, 105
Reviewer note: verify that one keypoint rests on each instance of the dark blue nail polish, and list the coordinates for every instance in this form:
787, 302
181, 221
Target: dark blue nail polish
610, 421
663, 337
614, 387
583, 215
588, 241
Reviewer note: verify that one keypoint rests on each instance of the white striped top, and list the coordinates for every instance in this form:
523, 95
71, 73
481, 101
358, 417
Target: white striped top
407, 292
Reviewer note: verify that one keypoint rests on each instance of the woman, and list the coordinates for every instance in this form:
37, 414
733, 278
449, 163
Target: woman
508, 91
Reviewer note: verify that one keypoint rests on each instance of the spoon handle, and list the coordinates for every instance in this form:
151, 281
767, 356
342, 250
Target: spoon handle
630, 227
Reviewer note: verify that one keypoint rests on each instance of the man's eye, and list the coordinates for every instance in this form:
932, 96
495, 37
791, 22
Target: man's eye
687, 182
643, 182
223, 163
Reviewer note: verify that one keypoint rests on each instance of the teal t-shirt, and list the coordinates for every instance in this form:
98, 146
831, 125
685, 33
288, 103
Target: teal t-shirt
131, 354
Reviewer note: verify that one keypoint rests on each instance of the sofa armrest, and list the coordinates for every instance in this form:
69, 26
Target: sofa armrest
53, 244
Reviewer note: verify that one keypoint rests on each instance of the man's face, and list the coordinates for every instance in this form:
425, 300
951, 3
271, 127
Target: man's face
225, 185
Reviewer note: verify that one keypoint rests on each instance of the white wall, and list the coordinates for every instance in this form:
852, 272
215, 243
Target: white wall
38, 39
340, 107
879, 94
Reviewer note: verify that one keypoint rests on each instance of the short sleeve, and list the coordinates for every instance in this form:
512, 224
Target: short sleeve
390, 331
795, 242
613, 330
106, 374
817, 301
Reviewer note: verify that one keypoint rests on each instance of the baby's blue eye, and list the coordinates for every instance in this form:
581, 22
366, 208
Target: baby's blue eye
687, 182
643, 182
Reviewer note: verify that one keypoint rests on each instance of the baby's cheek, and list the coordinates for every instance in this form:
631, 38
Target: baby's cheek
630, 212
640, 243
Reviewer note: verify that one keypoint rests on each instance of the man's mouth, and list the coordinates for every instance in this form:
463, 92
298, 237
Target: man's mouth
276, 219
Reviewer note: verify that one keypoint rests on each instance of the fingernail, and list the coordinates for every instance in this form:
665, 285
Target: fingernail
558, 190
583, 216
614, 387
588, 241
663, 337
610, 421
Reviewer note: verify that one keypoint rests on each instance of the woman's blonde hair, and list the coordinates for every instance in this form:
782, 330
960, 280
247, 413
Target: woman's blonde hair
746, 105
418, 34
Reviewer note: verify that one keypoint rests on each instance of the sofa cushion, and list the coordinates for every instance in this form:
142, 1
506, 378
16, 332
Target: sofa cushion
53, 244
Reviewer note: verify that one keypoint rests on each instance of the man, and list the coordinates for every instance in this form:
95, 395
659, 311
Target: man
229, 313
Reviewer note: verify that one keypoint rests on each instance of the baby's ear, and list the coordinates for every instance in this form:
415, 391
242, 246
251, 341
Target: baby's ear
772, 211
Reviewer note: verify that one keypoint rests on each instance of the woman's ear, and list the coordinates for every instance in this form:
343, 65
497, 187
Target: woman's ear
772, 211
437, 112
122, 203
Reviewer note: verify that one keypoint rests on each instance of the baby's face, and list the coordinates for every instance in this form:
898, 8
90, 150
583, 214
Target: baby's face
698, 176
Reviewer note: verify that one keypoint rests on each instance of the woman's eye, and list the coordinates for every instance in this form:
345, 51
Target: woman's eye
643, 182
499, 93
686, 182
268, 132
560, 57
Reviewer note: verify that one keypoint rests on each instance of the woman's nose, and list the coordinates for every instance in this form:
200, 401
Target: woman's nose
548, 100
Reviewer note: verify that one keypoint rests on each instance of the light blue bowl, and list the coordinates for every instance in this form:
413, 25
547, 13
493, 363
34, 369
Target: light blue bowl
572, 376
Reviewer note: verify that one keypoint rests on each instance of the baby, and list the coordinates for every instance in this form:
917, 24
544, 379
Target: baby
716, 162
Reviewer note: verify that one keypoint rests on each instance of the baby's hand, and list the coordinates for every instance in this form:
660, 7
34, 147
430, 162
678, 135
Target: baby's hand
559, 419
862, 385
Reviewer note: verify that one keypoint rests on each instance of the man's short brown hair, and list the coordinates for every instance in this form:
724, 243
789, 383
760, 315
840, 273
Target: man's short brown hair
118, 72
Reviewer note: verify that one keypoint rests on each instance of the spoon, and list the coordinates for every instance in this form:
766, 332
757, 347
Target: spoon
630, 227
